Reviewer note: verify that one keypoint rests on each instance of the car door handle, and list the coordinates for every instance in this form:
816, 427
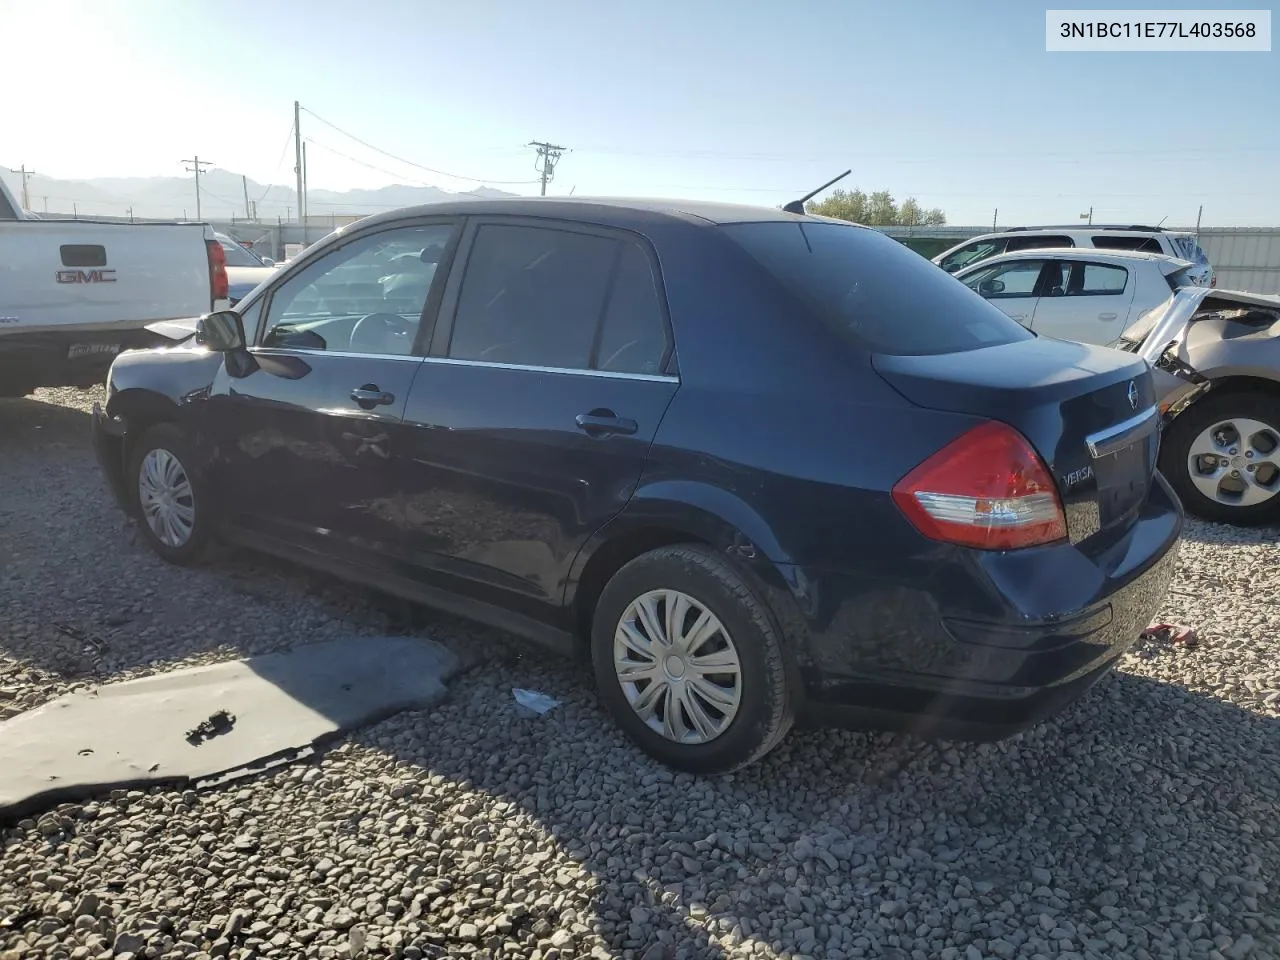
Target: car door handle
1107, 316
602, 423
370, 396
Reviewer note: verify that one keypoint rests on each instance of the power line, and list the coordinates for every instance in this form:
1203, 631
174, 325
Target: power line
398, 159
279, 163
549, 155
344, 156
196, 164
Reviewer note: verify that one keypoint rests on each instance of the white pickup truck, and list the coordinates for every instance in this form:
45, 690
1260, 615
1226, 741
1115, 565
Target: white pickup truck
74, 293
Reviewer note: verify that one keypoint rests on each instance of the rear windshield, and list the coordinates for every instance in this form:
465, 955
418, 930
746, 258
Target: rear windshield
1189, 249
887, 298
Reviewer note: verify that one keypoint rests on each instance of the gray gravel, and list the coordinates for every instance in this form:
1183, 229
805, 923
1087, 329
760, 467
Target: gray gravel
1141, 823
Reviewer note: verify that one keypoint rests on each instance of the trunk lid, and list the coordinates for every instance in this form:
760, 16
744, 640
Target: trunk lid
1089, 412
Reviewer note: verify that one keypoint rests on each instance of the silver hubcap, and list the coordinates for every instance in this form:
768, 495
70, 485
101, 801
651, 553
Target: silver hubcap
677, 667
165, 495
1236, 462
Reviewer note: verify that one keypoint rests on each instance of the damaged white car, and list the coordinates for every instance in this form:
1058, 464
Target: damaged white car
1216, 355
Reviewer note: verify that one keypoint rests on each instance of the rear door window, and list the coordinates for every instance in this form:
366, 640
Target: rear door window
1037, 241
559, 298
1097, 280
873, 290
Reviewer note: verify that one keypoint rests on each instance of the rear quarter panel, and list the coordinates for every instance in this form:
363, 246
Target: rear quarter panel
779, 427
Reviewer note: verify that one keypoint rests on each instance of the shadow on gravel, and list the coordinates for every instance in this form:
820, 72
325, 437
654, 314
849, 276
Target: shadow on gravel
815, 848
26, 423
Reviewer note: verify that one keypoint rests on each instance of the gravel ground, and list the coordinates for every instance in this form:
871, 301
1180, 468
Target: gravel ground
1141, 823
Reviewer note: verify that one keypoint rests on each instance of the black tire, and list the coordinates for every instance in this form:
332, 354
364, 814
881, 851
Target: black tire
170, 438
1175, 450
766, 707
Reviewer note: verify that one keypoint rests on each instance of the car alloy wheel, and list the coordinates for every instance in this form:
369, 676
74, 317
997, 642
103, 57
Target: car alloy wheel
677, 666
1236, 462
166, 498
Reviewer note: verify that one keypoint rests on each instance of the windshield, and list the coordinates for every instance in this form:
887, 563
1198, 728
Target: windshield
882, 295
971, 253
237, 254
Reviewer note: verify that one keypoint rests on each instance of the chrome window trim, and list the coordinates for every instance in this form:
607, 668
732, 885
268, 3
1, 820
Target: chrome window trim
487, 364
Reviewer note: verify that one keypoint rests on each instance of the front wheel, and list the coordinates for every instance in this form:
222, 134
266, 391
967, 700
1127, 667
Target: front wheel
173, 505
1222, 456
689, 661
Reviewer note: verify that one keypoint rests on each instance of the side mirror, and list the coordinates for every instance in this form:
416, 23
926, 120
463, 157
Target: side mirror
989, 288
268, 262
222, 332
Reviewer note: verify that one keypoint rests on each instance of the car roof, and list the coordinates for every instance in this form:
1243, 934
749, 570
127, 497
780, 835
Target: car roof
605, 210
1075, 253
1099, 231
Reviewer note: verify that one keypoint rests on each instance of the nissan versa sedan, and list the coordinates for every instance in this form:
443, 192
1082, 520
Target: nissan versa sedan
756, 466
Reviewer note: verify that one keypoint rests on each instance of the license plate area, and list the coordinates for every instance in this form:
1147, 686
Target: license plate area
78, 351
1124, 480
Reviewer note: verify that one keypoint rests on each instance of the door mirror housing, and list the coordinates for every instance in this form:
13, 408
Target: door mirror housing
221, 331
989, 288
268, 262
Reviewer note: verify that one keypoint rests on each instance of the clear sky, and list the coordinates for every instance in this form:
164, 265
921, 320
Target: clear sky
955, 103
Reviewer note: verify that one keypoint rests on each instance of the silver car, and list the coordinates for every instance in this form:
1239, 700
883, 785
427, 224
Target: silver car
1216, 360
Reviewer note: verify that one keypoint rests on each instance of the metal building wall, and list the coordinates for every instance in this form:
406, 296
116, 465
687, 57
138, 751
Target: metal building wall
1245, 258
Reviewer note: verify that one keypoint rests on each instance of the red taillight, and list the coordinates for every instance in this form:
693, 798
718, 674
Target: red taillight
987, 489
218, 281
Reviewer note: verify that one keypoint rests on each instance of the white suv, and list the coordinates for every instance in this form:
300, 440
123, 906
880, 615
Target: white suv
1181, 245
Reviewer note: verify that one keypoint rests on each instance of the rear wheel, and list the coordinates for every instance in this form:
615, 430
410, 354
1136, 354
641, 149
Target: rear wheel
172, 500
1222, 456
689, 661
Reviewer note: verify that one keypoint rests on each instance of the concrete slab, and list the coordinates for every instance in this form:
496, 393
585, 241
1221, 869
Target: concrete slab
205, 722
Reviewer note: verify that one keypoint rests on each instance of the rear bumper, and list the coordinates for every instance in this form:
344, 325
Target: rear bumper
109, 449
904, 657
53, 358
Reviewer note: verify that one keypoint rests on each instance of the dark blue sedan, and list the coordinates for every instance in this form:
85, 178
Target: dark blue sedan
755, 466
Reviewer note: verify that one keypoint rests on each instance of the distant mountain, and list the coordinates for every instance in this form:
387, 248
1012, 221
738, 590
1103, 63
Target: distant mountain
222, 196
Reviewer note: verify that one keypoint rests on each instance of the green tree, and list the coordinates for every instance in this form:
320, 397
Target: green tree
877, 210
910, 214
881, 210
842, 204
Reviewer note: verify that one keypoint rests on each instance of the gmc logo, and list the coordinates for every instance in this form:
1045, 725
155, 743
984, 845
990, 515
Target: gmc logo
86, 276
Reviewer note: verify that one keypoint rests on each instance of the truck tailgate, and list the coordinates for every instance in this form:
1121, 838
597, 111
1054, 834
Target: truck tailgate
91, 275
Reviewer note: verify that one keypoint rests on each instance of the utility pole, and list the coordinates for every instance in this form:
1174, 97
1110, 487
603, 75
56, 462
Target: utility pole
244, 182
196, 164
46, 204
26, 175
1198, 216
131, 214
548, 155
994, 213
1088, 215
297, 153
303, 212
